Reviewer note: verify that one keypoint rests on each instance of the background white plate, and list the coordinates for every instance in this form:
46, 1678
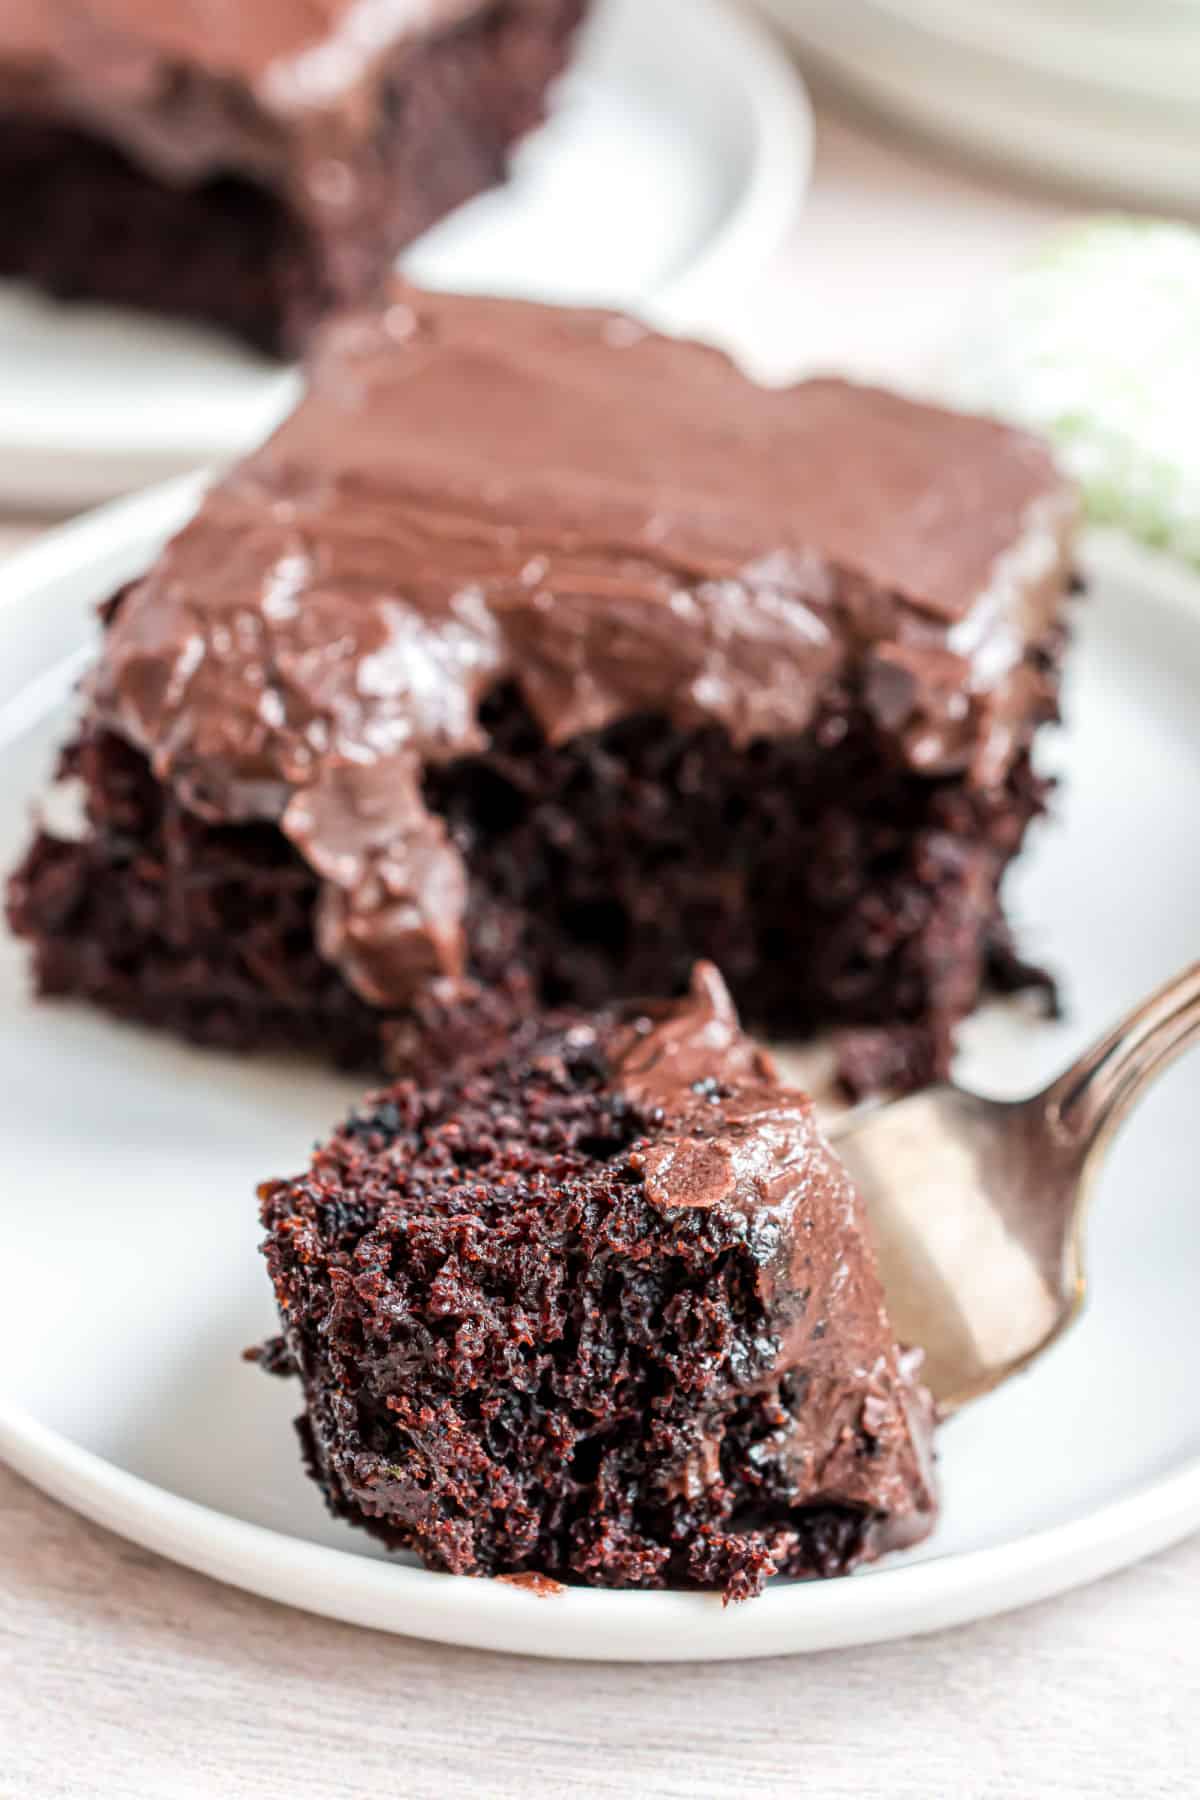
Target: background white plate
127, 1218
672, 168
1102, 98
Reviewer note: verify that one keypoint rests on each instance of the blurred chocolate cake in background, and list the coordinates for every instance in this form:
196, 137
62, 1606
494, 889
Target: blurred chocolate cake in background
254, 164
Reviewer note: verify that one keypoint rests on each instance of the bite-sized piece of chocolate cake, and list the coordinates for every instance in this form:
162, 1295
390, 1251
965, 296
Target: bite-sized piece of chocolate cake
254, 163
602, 1306
537, 655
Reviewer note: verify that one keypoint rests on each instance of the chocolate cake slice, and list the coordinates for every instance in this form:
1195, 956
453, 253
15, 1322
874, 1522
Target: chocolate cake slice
600, 1306
537, 656
254, 163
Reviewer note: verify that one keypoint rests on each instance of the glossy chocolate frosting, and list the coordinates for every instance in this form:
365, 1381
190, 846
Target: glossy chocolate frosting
254, 40
477, 490
733, 1136
283, 90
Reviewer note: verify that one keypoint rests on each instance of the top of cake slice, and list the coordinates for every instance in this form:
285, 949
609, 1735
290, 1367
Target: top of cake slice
601, 1305
291, 52
279, 90
475, 491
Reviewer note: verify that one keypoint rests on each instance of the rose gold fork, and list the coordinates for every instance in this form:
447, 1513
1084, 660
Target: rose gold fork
979, 1207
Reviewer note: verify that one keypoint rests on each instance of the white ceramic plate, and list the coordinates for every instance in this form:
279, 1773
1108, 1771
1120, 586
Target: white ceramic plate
127, 1215
673, 166
1105, 103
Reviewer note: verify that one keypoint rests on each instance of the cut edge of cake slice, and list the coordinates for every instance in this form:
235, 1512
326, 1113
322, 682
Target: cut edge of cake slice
601, 1306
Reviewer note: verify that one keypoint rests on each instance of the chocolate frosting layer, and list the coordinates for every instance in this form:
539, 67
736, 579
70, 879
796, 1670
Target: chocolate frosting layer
731, 1135
282, 90
256, 41
477, 490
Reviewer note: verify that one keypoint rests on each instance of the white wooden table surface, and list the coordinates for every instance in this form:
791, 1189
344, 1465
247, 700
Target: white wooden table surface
123, 1676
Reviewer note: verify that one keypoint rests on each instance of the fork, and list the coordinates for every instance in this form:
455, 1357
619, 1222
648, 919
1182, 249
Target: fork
979, 1207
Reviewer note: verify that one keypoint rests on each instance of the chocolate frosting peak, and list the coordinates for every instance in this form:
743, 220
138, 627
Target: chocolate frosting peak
483, 490
734, 1134
669, 1047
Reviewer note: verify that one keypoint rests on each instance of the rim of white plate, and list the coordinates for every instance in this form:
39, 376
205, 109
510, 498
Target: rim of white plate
1125, 147
597, 1624
1114, 62
785, 134
578, 1623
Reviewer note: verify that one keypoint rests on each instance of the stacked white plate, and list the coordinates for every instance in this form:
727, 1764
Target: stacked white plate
1095, 92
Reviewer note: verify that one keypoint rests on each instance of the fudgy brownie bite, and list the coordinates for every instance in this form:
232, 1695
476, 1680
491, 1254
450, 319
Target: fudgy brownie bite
537, 656
600, 1305
254, 164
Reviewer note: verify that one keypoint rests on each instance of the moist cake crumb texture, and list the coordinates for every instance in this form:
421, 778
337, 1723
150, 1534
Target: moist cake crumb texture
600, 1309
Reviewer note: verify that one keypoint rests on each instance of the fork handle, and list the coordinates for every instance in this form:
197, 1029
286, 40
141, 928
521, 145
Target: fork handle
1087, 1103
